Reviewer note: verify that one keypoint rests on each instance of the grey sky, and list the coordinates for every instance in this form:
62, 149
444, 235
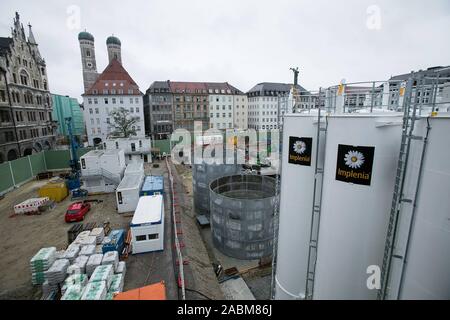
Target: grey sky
242, 42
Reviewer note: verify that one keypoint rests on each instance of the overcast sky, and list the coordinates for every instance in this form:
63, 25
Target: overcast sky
242, 42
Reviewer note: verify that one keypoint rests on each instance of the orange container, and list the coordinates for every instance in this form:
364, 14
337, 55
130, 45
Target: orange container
155, 291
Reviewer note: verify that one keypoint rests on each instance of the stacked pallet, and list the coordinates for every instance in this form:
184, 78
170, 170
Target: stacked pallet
57, 272
73, 292
103, 273
78, 266
111, 257
121, 268
93, 262
80, 280
87, 250
48, 289
40, 263
71, 253
99, 234
94, 291
117, 282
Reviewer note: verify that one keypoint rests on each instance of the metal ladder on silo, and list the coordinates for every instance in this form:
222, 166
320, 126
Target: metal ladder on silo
315, 216
409, 118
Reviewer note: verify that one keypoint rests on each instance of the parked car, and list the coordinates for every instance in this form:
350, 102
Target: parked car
77, 211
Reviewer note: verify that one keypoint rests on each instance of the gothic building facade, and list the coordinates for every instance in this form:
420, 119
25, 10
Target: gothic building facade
26, 124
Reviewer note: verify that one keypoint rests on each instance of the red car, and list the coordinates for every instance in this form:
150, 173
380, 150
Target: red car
77, 211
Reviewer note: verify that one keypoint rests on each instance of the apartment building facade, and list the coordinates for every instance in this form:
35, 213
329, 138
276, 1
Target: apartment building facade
171, 105
158, 110
267, 104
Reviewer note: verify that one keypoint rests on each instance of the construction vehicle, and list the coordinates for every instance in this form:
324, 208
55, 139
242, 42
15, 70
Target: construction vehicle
73, 180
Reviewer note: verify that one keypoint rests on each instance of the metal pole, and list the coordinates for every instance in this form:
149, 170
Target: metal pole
372, 99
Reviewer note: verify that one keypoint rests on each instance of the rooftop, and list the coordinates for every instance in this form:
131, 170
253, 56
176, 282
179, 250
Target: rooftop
194, 87
153, 183
148, 210
272, 88
114, 79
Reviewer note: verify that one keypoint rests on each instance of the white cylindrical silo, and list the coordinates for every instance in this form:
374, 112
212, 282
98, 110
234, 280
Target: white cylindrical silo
423, 233
361, 157
296, 203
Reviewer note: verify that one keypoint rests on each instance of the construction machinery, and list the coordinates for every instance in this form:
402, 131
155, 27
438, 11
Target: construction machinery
73, 180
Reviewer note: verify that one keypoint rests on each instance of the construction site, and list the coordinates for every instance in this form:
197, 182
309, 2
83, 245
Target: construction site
275, 220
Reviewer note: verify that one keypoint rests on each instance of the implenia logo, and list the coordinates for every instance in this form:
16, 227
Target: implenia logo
300, 151
354, 164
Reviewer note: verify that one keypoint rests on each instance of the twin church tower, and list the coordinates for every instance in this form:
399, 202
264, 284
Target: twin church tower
87, 47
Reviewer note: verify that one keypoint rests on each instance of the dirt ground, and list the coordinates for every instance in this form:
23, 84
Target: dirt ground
22, 236
257, 279
199, 272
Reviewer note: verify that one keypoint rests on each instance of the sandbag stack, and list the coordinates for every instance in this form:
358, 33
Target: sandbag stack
117, 282
87, 250
80, 280
99, 234
103, 273
94, 261
71, 253
78, 266
121, 268
95, 290
74, 292
40, 263
111, 257
57, 272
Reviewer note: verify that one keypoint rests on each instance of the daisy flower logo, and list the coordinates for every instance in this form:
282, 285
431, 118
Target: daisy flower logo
354, 159
299, 147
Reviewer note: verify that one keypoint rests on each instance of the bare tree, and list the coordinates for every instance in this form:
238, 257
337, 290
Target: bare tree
122, 123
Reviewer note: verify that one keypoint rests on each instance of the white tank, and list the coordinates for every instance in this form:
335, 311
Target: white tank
426, 273
360, 166
296, 203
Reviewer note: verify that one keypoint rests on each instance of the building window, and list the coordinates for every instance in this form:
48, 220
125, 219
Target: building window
96, 110
141, 238
106, 100
153, 236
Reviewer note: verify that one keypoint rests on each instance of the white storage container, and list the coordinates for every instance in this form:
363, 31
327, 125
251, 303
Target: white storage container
426, 273
147, 226
359, 175
127, 193
296, 202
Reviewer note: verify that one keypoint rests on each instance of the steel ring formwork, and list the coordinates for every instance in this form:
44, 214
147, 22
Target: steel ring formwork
242, 208
207, 171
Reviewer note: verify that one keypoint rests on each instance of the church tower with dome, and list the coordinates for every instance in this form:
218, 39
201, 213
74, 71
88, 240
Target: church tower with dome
88, 60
